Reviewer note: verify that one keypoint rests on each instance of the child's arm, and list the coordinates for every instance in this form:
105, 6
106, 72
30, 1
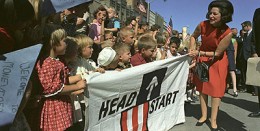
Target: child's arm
68, 89
77, 92
74, 79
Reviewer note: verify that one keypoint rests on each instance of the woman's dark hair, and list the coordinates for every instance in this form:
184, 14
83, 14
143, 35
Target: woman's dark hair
225, 8
100, 8
14, 11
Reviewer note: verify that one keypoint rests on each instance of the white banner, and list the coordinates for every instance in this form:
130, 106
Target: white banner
149, 96
15, 71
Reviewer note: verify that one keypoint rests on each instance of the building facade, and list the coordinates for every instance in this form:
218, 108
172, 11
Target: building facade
127, 8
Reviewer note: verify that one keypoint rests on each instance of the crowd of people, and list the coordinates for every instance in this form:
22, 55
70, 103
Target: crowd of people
75, 46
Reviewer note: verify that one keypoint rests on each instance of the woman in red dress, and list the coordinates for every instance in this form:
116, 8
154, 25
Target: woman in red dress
215, 36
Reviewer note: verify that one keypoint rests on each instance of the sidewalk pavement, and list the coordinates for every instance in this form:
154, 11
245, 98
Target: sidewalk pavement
232, 115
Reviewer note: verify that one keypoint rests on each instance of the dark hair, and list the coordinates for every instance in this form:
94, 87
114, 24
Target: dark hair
225, 8
15, 11
155, 27
100, 8
246, 23
175, 40
129, 20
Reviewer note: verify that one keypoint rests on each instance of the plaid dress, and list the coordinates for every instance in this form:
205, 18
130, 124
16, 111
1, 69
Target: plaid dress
56, 113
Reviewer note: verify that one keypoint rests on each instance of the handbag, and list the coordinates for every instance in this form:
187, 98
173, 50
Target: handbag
202, 69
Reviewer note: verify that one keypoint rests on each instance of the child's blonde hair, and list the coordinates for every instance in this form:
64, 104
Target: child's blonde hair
83, 41
146, 41
121, 48
56, 37
125, 32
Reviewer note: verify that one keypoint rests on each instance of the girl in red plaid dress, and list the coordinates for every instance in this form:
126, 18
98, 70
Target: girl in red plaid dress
56, 113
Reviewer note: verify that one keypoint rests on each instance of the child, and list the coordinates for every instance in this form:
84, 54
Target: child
124, 56
70, 58
108, 59
147, 49
126, 36
161, 41
83, 67
109, 36
113, 24
53, 74
173, 47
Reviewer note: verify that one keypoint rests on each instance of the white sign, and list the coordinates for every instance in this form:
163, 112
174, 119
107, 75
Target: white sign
146, 97
15, 71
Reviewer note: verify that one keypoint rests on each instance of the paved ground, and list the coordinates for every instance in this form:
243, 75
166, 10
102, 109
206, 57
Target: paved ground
232, 115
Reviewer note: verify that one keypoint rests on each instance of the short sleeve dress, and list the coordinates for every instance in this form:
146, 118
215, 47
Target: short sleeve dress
211, 38
56, 113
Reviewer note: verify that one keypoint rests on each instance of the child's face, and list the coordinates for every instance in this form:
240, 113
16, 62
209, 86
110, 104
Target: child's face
111, 13
87, 52
148, 53
101, 15
129, 39
110, 37
173, 48
60, 49
125, 57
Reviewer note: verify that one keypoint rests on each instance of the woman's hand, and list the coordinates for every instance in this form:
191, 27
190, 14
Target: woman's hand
193, 53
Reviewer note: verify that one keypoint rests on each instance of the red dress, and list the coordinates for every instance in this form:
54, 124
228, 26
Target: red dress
211, 37
56, 113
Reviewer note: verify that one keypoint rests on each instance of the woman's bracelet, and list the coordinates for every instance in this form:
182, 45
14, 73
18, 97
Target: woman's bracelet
205, 53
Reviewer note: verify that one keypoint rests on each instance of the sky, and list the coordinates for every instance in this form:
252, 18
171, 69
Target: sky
191, 12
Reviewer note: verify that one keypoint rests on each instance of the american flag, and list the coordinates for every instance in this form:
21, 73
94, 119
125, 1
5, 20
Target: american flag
169, 27
141, 6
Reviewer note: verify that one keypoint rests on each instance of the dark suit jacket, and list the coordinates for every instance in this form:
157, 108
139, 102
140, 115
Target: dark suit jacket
256, 30
248, 48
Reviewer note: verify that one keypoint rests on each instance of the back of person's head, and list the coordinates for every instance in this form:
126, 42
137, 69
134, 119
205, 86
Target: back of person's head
146, 41
225, 8
175, 33
106, 56
52, 35
155, 27
72, 48
160, 38
175, 40
83, 41
246, 23
125, 32
121, 48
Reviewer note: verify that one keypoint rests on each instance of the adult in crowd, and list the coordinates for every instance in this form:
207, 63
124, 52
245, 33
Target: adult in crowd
15, 17
216, 36
256, 41
247, 50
